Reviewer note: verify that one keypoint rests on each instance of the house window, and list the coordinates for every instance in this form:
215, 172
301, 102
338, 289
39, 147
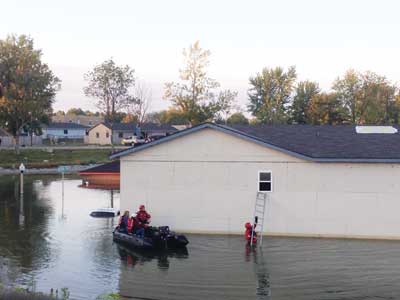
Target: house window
65, 131
107, 134
120, 135
264, 181
97, 135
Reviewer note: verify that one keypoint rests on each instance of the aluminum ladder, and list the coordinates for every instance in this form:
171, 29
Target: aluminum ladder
259, 215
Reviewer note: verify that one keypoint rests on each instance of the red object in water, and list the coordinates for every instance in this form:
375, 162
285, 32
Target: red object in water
248, 231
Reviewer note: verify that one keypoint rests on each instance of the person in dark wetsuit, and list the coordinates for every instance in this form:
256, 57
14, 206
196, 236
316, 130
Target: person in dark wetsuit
123, 222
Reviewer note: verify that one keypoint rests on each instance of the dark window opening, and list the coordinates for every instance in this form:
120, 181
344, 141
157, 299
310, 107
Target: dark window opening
264, 182
65, 131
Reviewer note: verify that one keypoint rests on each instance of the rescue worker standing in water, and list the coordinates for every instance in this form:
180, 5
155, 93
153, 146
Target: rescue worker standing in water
142, 216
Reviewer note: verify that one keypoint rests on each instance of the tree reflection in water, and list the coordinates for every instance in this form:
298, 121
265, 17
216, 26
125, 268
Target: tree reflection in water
23, 227
255, 254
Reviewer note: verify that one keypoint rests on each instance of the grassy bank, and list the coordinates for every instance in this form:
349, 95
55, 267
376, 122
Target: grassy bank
38, 158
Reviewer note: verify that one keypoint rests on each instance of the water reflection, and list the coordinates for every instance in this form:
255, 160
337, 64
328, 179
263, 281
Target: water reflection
255, 255
132, 257
78, 253
23, 227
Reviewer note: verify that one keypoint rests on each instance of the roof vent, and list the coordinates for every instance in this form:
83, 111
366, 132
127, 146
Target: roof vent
376, 129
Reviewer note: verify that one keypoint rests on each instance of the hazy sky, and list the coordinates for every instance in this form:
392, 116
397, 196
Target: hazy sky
322, 38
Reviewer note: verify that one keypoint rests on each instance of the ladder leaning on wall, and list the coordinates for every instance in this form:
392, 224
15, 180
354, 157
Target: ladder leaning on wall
259, 215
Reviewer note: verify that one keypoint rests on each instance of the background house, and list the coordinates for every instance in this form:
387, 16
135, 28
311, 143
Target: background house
337, 181
101, 133
6, 139
64, 131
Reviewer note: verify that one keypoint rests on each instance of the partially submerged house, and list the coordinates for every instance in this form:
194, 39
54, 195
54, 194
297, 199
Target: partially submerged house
105, 176
332, 181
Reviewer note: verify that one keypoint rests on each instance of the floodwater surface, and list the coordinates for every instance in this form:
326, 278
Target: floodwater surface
46, 244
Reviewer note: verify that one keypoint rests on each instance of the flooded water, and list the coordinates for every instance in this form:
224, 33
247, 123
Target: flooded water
45, 244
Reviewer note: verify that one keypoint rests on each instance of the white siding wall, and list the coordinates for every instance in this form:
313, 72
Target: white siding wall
207, 182
59, 133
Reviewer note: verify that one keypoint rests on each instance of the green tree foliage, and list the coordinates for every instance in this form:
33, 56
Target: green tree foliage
110, 84
76, 112
196, 95
270, 94
326, 108
28, 85
368, 98
237, 119
171, 116
304, 92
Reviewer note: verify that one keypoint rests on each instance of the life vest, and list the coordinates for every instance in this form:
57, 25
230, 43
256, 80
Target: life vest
143, 217
131, 224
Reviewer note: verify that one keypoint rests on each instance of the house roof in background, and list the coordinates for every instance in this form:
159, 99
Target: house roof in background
65, 126
314, 143
147, 127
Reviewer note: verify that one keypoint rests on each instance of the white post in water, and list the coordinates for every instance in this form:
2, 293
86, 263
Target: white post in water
21, 178
62, 209
62, 170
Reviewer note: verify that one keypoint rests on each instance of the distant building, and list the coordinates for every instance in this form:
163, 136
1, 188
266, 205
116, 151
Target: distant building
64, 131
82, 120
321, 181
6, 139
105, 133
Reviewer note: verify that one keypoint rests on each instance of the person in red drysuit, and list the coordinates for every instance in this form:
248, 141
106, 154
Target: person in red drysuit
248, 231
142, 216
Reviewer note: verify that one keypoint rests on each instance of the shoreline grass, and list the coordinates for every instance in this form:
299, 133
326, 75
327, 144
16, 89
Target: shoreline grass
43, 158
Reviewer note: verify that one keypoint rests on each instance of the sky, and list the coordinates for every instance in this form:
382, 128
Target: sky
321, 38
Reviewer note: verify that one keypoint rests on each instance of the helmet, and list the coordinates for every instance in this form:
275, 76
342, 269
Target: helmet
141, 206
247, 225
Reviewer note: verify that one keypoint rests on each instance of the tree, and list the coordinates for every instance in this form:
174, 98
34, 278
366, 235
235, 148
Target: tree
171, 116
76, 112
237, 119
28, 85
304, 92
270, 94
326, 108
367, 97
110, 85
139, 105
196, 96
348, 91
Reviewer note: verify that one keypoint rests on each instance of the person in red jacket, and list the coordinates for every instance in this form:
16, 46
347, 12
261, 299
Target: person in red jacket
249, 230
142, 216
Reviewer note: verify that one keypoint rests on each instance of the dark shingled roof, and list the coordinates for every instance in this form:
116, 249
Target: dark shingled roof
66, 126
112, 167
326, 141
316, 143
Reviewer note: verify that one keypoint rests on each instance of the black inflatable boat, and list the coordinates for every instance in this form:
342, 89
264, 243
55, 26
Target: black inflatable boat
154, 238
